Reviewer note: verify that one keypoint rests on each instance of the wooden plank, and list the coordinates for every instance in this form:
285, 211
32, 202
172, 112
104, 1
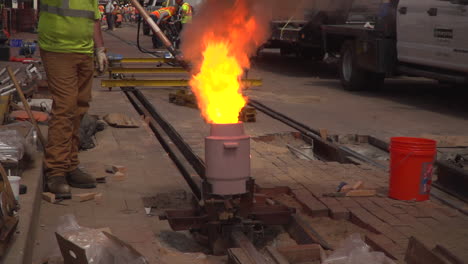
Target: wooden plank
238, 256
312, 205
276, 256
301, 253
303, 233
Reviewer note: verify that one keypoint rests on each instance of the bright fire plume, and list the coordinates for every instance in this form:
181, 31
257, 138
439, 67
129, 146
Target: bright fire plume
217, 85
225, 33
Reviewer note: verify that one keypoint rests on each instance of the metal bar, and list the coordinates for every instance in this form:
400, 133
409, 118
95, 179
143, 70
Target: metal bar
143, 60
9, 77
197, 164
163, 83
265, 109
26, 106
240, 240
156, 30
158, 133
148, 70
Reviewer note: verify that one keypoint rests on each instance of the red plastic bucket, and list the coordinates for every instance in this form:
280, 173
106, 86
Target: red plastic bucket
411, 167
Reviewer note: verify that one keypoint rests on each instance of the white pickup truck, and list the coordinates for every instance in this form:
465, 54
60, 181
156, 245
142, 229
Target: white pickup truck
426, 38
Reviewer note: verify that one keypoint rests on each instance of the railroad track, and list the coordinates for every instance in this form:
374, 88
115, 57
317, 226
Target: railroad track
324, 148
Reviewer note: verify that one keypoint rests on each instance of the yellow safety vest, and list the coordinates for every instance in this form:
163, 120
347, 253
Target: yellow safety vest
68, 25
186, 12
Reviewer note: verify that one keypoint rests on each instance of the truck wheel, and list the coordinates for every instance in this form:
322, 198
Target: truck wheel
354, 78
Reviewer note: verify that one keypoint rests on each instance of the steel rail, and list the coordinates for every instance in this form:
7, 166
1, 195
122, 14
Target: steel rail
143, 60
164, 82
148, 70
141, 108
159, 124
197, 164
313, 135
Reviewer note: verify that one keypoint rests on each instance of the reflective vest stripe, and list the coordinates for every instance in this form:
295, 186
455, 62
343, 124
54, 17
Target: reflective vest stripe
65, 11
189, 8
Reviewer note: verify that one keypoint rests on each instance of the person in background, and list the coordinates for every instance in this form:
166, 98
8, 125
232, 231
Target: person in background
185, 12
101, 11
109, 17
69, 35
164, 14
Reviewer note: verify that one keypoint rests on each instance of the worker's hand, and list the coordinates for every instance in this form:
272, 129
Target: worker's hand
101, 59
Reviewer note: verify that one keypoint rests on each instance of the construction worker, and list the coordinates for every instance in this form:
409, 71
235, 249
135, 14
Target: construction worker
69, 35
185, 12
109, 16
164, 14
101, 10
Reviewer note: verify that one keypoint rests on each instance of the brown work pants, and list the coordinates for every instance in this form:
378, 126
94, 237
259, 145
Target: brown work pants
70, 77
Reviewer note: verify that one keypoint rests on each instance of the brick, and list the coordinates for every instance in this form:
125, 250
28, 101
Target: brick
366, 203
49, 197
416, 212
119, 176
386, 217
111, 168
83, 197
419, 253
311, 205
387, 205
337, 211
348, 202
364, 219
413, 222
301, 253
407, 231
391, 232
429, 222
383, 244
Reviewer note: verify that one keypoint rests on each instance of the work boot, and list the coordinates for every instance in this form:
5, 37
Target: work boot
58, 185
80, 179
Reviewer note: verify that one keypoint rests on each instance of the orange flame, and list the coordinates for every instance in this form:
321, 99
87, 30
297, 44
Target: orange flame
226, 36
217, 85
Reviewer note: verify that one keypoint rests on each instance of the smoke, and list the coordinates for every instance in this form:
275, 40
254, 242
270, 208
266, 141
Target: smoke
244, 24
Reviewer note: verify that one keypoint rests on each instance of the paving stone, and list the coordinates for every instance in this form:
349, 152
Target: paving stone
311, 205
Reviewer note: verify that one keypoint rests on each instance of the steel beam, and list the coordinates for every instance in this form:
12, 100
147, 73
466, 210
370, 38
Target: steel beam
148, 70
164, 83
143, 60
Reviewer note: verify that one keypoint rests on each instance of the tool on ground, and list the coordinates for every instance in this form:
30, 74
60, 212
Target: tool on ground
8, 77
26, 106
346, 190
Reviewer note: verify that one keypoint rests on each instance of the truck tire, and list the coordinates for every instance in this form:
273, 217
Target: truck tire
353, 77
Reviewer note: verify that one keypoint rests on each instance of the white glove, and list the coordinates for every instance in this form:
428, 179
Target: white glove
101, 59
